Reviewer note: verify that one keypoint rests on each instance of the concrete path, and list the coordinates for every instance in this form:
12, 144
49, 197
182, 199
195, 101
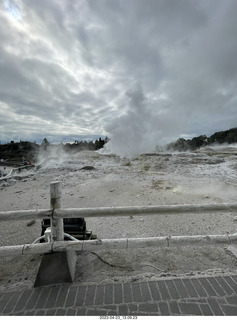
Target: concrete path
215, 295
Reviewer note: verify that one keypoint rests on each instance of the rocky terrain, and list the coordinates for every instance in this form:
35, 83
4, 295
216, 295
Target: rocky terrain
207, 175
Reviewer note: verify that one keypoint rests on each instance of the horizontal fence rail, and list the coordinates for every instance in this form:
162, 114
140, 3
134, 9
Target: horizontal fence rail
56, 215
109, 244
25, 215
150, 210
116, 211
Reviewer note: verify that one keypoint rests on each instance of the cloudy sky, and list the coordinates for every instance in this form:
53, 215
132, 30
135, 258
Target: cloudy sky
139, 71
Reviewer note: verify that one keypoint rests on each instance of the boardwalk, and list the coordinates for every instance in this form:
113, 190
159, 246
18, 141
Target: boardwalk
216, 295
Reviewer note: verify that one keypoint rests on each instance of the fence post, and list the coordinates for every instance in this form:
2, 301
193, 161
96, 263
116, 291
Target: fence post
233, 246
55, 203
56, 267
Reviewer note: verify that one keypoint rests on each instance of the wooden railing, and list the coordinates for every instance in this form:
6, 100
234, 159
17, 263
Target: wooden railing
56, 215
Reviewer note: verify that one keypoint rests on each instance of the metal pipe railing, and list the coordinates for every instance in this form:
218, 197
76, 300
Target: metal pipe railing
127, 243
117, 211
150, 210
56, 215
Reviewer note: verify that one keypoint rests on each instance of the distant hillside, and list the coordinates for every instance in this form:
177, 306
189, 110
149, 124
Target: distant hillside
221, 137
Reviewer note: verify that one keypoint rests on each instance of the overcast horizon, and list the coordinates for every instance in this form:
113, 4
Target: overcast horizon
140, 72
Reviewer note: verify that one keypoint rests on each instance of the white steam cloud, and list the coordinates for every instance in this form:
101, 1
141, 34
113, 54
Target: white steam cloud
146, 125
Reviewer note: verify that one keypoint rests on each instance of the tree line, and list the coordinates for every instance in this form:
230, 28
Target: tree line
220, 137
25, 150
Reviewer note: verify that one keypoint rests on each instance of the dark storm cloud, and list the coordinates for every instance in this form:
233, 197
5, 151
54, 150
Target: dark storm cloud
136, 70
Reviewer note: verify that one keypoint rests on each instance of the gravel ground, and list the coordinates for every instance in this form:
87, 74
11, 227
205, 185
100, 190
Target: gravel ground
208, 176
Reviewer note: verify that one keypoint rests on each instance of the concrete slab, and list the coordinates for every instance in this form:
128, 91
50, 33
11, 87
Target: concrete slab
233, 248
57, 267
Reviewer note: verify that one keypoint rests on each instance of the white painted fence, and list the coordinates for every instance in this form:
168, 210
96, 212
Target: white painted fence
56, 214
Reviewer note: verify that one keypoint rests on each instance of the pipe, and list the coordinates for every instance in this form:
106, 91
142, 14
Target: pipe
38, 239
136, 210
70, 237
38, 214
41, 214
130, 243
152, 242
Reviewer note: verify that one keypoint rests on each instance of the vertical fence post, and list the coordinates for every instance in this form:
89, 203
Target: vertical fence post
56, 267
55, 203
